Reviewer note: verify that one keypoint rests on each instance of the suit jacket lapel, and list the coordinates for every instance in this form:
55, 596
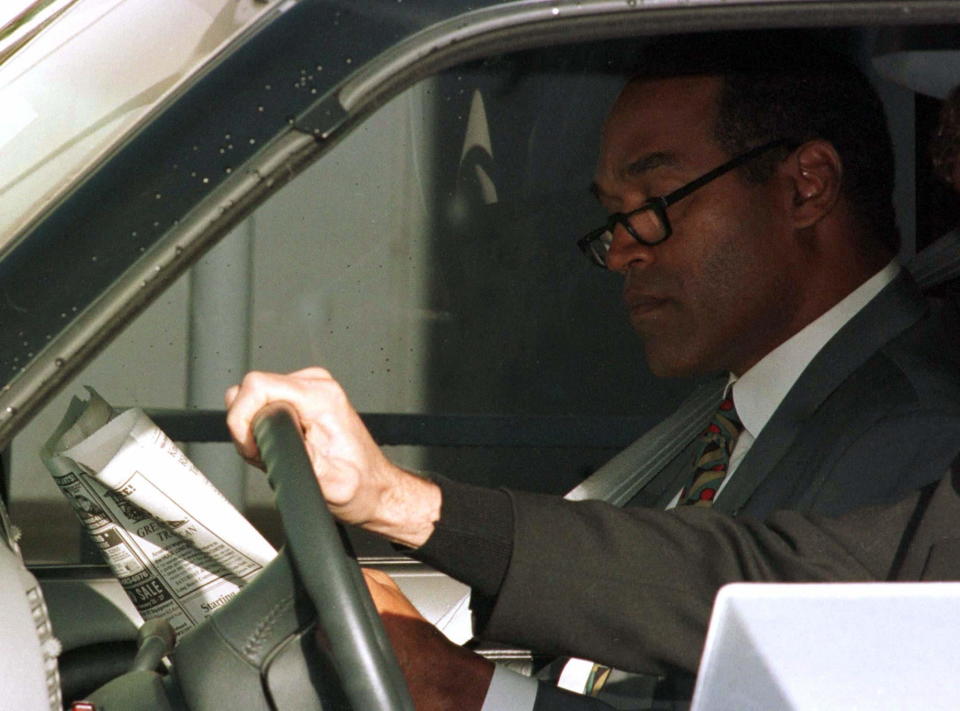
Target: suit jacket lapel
897, 307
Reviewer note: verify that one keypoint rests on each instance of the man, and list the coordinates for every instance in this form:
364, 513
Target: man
769, 258
779, 273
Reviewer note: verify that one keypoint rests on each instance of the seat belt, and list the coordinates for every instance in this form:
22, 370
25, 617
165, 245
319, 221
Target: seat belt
623, 476
938, 262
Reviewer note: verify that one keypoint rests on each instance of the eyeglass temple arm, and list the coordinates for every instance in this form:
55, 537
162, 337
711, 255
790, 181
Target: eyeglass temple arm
680, 193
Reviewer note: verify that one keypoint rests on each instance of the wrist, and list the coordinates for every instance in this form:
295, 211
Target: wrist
407, 510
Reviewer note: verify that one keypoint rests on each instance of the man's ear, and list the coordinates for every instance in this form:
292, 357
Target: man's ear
814, 172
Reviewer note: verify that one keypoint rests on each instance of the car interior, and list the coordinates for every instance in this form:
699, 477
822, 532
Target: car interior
400, 205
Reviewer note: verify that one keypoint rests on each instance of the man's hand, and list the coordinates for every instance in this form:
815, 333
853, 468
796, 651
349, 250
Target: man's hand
440, 675
359, 483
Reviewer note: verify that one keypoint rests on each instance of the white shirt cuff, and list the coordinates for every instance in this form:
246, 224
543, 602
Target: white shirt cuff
509, 691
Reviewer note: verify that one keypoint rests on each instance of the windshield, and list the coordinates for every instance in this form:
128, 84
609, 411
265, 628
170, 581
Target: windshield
112, 63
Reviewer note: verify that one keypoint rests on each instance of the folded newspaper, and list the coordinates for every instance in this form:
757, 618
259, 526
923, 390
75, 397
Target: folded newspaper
178, 547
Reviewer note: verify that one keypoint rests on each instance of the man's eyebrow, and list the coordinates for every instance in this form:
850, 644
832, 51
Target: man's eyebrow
644, 164
651, 161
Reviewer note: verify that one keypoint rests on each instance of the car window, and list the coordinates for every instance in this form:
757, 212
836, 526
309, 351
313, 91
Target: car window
429, 262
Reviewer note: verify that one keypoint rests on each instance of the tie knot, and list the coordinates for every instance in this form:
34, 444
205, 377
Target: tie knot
726, 422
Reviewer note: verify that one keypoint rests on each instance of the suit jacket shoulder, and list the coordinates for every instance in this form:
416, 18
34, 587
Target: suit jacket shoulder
875, 415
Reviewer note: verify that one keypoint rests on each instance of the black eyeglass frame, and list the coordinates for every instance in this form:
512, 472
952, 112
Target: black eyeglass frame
660, 204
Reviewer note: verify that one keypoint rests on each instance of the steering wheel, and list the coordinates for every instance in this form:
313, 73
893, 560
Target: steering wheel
362, 655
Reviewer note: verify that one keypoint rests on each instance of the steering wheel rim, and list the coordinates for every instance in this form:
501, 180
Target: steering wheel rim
359, 646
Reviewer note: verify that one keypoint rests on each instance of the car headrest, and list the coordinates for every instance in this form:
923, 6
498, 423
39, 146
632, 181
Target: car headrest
924, 59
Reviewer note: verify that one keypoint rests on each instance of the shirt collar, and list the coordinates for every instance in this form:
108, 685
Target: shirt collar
759, 392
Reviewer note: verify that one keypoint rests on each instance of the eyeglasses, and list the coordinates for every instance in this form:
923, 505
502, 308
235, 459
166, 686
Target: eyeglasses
649, 224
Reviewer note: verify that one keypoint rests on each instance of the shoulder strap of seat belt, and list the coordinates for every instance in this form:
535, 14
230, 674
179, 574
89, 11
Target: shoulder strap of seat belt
937, 263
619, 480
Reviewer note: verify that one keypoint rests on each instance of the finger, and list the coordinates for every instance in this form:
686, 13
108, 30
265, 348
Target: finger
254, 392
378, 577
378, 591
258, 389
387, 595
312, 372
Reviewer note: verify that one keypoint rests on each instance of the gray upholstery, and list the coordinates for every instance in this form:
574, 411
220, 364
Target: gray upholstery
28, 650
264, 630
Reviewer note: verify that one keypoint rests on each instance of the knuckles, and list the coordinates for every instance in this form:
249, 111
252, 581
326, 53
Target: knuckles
316, 372
318, 398
254, 381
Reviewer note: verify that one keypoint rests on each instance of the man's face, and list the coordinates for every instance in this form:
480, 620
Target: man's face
719, 293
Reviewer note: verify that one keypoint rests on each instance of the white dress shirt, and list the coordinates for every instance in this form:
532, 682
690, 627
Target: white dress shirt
757, 394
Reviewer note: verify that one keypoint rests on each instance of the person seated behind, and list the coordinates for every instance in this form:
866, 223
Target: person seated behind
940, 261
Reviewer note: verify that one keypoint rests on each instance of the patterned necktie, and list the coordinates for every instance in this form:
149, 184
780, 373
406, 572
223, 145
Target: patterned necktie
713, 458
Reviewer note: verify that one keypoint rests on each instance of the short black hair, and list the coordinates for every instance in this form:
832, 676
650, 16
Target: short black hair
793, 85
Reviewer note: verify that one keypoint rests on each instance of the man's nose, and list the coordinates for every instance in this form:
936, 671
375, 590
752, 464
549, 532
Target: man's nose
626, 252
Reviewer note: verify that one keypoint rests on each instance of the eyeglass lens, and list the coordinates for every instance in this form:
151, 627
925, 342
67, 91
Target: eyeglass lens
646, 225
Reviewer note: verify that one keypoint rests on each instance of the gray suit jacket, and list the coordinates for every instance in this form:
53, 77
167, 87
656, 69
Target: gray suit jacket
668, 605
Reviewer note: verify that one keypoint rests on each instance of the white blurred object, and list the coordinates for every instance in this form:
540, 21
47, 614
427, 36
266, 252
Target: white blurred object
924, 59
83, 81
800, 647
